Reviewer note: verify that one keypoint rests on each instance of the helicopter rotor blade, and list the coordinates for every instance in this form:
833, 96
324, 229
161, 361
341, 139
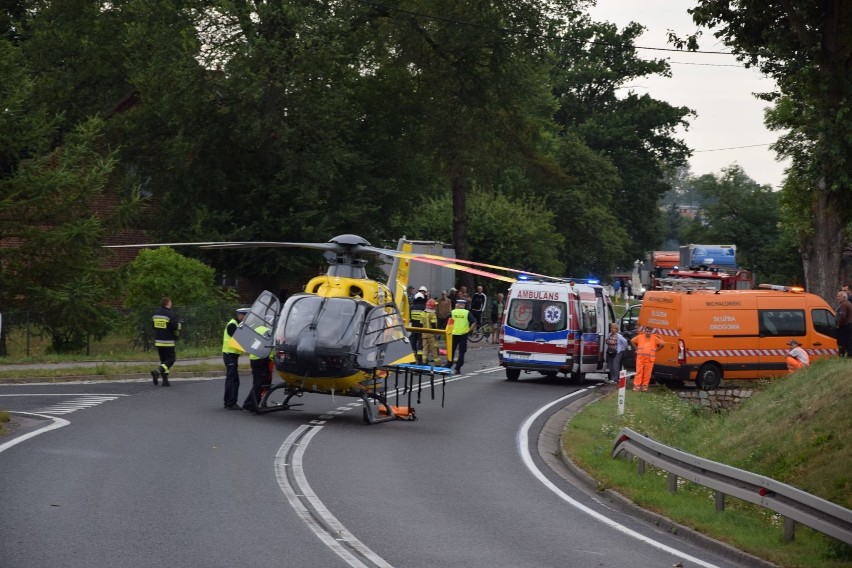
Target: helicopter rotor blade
236, 245
150, 245
352, 245
263, 244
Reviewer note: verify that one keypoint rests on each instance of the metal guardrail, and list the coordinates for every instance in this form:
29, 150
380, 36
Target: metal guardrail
794, 505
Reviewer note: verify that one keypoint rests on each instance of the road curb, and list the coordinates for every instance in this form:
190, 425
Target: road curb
550, 445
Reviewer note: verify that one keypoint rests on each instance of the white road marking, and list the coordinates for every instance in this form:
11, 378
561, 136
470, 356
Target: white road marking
67, 394
523, 448
56, 423
82, 400
79, 403
294, 484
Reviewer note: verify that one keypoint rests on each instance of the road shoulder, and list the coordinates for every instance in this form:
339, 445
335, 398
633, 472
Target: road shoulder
552, 452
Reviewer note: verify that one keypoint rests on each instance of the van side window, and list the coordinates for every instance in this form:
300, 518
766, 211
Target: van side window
782, 323
824, 322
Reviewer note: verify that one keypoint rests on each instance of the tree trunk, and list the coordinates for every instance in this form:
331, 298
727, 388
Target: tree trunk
460, 225
822, 250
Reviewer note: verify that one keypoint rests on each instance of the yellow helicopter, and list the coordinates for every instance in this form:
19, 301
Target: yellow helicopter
345, 334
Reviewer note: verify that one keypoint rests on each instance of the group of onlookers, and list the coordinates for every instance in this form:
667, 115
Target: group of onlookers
466, 311
622, 288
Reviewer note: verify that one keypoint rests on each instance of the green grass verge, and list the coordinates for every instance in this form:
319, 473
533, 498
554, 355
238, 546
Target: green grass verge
792, 430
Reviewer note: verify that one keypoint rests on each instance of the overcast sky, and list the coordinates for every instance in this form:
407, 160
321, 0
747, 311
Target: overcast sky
719, 90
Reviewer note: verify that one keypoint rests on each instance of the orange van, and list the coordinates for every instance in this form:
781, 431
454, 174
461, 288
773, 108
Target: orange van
733, 334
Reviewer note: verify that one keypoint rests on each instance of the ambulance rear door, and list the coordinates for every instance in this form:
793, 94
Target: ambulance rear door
593, 328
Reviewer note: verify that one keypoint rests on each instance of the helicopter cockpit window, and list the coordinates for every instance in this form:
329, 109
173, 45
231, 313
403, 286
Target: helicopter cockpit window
261, 325
384, 325
336, 320
340, 321
262, 314
298, 313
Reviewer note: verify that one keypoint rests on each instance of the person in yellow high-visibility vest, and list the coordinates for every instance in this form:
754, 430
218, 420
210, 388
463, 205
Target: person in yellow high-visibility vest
646, 344
231, 358
462, 322
261, 370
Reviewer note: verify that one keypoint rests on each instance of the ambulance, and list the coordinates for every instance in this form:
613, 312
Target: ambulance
552, 327
711, 335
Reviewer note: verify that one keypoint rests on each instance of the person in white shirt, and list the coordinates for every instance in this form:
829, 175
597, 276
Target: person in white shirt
797, 357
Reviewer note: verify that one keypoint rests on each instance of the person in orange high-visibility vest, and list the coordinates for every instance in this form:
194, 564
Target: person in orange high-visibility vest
646, 345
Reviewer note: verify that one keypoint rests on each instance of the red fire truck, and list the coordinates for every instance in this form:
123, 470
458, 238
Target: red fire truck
706, 279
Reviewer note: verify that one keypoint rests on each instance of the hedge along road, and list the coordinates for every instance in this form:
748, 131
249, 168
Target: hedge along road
165, 476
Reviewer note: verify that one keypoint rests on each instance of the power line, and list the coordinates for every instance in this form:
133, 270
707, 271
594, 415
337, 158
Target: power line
731, 148
530, 34
670, 62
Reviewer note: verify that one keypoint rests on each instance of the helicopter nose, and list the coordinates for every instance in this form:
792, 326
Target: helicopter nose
306, 348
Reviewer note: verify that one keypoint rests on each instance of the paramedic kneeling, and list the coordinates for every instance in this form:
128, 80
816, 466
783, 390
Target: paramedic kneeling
797, 357
647, 345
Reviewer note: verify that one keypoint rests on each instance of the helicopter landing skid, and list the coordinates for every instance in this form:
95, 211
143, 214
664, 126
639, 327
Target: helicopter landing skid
266, 406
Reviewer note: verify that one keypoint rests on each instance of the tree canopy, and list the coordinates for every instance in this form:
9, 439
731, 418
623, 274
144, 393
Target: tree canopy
807, 48
503, 123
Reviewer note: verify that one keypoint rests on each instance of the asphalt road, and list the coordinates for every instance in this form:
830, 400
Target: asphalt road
134, 475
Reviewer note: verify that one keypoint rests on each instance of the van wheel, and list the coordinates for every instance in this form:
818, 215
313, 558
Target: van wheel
577, 378
513, 374
709, 377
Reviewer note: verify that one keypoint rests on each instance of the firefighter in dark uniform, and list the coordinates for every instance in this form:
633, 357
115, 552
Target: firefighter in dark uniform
231, 356
418, 307
166, 330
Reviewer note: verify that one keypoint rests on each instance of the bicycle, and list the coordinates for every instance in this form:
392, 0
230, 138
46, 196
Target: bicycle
484, 330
